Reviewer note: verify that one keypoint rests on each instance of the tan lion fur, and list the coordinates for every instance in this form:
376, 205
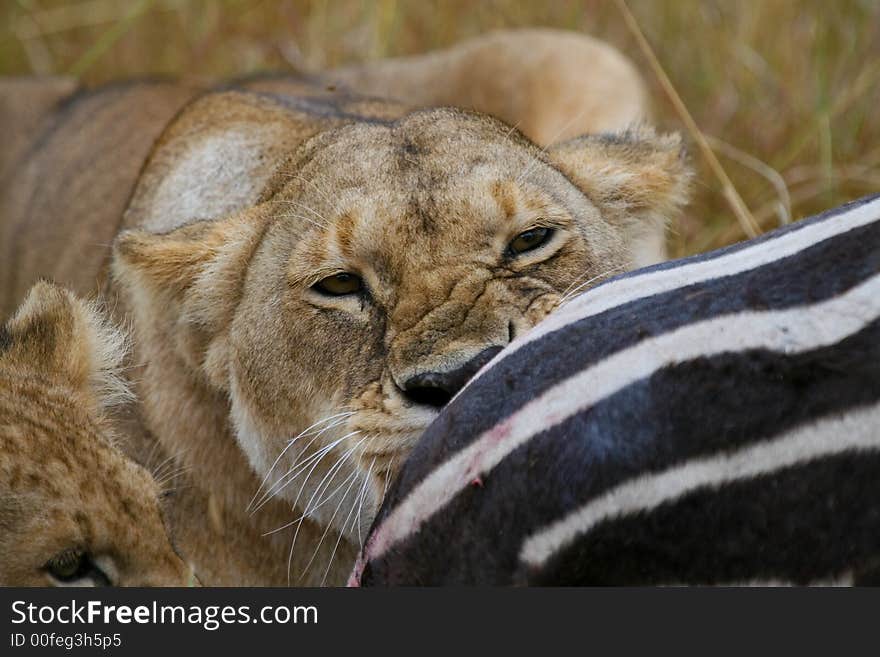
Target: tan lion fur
253, 194
64, 483
551, 85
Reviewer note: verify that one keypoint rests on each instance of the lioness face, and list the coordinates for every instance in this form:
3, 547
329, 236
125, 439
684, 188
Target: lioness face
384, 266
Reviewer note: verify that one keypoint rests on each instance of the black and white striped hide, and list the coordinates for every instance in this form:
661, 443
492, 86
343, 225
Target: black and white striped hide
712, 420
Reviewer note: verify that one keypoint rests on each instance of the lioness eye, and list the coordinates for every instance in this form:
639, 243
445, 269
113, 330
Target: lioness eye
529, 240
339, 284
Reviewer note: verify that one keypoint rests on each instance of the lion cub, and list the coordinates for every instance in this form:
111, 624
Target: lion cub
74, 511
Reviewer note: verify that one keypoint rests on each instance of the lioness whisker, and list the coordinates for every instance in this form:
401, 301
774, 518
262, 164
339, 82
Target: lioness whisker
306, 511
360, 503
329, 525
290, 475
288, 446
321, 218
358, 517
578, 284
296, 469
336, 423
302, 487
294, 215
327, 498
321, 451
576, 281
320, 191
302, 516
357, 502
388, 476
304, 207
570, 294
328, 477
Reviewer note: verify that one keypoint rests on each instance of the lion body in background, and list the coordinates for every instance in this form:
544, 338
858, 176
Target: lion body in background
290, 406
552, 85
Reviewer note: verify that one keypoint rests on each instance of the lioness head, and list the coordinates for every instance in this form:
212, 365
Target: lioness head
74, 511
379, 265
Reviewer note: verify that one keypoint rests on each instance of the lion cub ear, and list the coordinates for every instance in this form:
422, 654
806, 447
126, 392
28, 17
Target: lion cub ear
57, 334
637, 178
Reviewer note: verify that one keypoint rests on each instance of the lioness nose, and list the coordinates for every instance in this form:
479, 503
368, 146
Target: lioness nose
437, 388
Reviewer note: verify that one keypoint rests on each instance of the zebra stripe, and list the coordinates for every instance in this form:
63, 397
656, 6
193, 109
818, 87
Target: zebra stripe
805, 524
857, 430
642, 437
788, 331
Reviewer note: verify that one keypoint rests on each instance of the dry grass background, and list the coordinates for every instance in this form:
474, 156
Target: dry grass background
787, 91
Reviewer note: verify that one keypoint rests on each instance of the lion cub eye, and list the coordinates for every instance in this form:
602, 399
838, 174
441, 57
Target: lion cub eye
68, 566
75, 565
339, 285
529, 240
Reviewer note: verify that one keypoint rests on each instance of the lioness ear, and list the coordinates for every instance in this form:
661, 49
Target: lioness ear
58, 334
197, 265
168, 262
191, 277
637, 178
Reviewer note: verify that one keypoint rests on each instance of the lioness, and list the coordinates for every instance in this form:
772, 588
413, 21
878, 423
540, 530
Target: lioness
74, 511
313, 273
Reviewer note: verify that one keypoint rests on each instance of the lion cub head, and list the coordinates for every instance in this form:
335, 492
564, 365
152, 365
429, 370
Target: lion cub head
74, 511
378, 265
